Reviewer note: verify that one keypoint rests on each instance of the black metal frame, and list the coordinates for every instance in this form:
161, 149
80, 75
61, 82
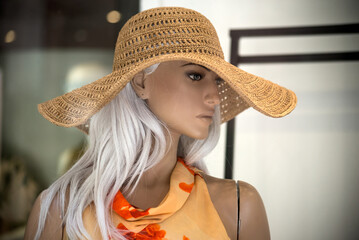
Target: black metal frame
236, 36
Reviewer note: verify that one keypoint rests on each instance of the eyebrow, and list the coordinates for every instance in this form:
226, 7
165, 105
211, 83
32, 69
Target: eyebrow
196, 65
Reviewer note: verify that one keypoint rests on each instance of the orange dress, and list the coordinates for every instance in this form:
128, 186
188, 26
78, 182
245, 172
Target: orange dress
186, 212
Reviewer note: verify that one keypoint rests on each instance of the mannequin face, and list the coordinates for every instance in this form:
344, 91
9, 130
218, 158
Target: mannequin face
182, 95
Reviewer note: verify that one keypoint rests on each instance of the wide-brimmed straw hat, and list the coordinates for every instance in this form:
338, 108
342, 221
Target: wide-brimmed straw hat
167, 34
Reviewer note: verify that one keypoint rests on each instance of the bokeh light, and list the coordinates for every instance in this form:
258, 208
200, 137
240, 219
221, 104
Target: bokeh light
113, 16
10, 36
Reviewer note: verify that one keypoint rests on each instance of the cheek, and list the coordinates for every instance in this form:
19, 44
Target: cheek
164, 101
182, 102
175, 110
178, 111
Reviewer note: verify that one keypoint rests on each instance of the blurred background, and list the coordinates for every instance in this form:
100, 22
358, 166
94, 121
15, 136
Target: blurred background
305, 165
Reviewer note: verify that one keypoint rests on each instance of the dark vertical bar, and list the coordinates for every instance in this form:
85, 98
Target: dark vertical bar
228, 170
234, 47
1, 102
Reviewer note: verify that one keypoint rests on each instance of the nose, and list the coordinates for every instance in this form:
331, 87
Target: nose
212, 95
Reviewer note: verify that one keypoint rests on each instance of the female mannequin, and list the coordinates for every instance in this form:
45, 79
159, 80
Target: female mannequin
169, 108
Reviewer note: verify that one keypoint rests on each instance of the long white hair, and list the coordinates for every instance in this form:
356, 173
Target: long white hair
125, 140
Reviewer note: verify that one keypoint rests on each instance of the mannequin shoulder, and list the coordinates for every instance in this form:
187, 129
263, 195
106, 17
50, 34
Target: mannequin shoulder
253, 216
53, 224
223, 193
219, 189
222, 189
254, 223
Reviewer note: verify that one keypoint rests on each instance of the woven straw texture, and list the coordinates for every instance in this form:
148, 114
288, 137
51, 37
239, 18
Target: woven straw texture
166, 34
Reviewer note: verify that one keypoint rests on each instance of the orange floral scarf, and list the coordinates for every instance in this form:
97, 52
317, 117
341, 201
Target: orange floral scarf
186, 212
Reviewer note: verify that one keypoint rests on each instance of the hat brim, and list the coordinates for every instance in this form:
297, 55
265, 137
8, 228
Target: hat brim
263, 95
239, 91
76, 107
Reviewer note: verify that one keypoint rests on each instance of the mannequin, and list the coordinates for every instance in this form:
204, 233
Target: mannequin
191, 92
156, 129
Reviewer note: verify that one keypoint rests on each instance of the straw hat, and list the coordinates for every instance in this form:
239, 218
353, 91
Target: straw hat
167, 34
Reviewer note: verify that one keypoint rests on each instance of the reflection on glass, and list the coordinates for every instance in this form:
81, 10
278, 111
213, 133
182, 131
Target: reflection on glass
83, 74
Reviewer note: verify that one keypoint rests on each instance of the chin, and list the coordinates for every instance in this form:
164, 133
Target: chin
198, 135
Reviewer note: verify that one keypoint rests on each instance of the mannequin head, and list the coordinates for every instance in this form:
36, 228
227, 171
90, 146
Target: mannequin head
182, 95
128, 133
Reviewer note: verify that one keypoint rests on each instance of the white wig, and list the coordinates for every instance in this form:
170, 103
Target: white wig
125, 140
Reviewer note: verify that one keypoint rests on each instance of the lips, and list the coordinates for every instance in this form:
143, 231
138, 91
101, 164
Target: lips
206, 115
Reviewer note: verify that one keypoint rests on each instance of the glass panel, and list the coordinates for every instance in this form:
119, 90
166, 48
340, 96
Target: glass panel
308, 159
47, 48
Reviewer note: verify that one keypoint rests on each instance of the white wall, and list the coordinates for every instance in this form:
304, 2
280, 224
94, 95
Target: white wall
304, 165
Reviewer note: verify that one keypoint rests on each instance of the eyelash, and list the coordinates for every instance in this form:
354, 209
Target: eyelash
218, 80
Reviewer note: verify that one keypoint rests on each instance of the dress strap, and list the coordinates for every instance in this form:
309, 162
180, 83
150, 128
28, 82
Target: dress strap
238, 207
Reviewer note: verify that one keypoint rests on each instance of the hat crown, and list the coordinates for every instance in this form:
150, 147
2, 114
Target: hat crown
164, 31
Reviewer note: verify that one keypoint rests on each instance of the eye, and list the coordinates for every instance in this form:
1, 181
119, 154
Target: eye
195, 76
219, 81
